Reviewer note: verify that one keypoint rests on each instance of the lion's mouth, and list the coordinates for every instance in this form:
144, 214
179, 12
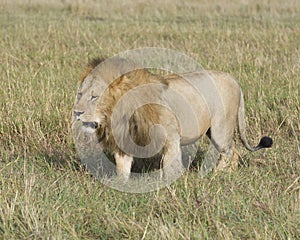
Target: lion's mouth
92, 125
89, 127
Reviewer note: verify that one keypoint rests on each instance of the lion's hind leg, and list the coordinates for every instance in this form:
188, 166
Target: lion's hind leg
222, 139
229, 159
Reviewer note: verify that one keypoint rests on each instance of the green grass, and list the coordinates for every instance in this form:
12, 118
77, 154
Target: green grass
44, 194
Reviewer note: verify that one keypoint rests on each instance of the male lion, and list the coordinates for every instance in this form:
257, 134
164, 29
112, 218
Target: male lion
140, 114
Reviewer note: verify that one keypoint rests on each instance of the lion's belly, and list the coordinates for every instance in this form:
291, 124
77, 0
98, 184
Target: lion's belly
194, 132
191, 110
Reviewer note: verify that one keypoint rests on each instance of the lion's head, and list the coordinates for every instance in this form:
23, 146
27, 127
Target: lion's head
87, 102
95, 80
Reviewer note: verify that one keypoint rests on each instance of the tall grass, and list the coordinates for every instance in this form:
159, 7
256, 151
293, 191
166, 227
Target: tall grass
44, 193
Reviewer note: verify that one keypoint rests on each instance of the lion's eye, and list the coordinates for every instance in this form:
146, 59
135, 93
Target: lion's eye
93, 98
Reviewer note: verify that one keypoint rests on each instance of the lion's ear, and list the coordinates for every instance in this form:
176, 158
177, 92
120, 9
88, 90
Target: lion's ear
85, 74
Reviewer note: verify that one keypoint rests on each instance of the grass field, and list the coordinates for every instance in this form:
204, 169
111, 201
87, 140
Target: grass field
44, 194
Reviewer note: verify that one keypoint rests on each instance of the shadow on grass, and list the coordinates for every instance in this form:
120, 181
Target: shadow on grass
62, 159
71, 160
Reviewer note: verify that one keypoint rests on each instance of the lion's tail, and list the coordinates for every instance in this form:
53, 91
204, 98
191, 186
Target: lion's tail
265, 142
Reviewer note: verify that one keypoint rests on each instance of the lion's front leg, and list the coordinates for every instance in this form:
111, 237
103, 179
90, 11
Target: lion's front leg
172, 162
123, 165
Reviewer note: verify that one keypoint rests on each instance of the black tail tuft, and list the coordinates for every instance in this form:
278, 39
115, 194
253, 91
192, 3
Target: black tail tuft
265, 142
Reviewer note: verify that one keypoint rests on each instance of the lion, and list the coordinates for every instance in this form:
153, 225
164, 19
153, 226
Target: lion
139, 114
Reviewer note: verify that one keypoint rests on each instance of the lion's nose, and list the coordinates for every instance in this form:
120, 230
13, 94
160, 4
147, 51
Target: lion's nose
78, 113
93, 125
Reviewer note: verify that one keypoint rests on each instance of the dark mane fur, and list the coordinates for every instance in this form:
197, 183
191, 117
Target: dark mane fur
90, 66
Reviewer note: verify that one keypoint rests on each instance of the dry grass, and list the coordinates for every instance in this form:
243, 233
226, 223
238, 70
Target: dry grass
44, 46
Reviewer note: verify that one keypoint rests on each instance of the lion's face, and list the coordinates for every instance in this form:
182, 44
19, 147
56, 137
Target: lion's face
94, 81
87, 104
